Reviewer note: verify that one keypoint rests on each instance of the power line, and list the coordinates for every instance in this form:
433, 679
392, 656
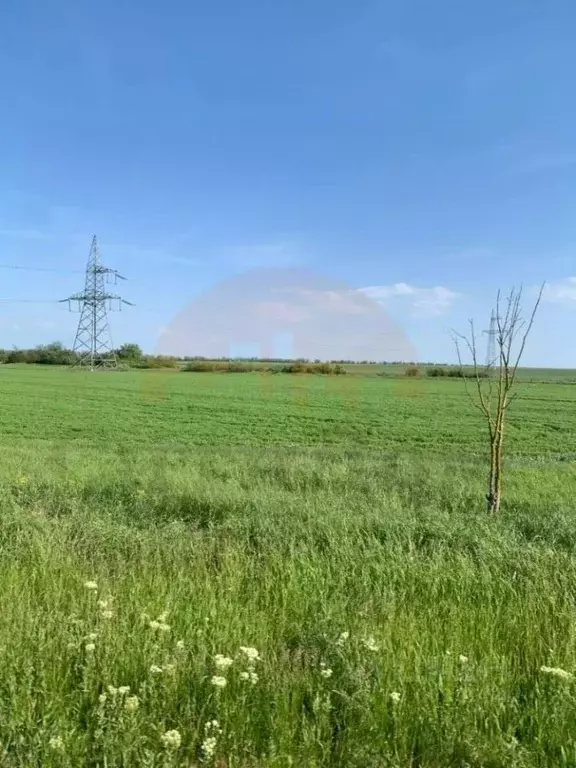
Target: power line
40, 269
28, 301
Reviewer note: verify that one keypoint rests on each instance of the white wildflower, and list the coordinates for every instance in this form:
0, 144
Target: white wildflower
343, 639
223, 662
326, 672
159, 626
104, 604
250, 677
131, 704
91, 585
463, 659
92, 636
107, 614
370, 644
124, 690
212, 725
172, 739
209, 747
112, 690
57, 743
102, 698
395, 696
219, 682
156, 670
90, 647
250, 653
561, 674
180, 645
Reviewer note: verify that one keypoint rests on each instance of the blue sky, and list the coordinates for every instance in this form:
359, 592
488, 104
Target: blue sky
424, 150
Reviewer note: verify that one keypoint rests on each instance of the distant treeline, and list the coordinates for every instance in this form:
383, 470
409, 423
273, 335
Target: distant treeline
132, 356
223, 366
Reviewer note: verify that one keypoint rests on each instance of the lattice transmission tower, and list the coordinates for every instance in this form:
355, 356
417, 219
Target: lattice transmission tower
93, 343
491, 347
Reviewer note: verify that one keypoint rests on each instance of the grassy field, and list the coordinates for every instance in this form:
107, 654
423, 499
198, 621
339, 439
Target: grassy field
151, 521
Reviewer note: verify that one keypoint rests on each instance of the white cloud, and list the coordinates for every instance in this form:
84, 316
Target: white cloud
424, 302
562, 290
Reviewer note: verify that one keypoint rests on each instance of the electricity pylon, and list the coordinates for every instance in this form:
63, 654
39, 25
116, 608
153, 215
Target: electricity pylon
491, 348
93, 343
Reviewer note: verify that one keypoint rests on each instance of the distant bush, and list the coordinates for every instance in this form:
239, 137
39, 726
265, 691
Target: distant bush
455, 373
155, 361
412, 371
325, 369
217, 366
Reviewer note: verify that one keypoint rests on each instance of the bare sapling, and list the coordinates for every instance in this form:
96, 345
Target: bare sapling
492, 387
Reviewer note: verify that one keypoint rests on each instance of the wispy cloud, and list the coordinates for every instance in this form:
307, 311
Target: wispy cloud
187, 261
561, 290
265, 255
423, 302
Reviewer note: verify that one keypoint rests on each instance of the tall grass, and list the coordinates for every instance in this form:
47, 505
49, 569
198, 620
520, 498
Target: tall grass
395, 624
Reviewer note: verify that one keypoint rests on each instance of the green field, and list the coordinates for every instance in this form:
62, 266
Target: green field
335, 524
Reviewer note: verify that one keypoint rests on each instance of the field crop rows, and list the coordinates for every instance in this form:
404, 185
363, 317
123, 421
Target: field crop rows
154, 521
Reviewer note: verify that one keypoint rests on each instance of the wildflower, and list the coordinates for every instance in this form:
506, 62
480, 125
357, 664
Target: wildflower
209, 747
107, 614
156, 670
463, 659
219, 682
326, 673
395, 696
250, 653
212, 725
223, 662
180, 647
57, 743
102, 698
249, 676
90, 647
344, 636
370, 644
71, 646
91, 585
172, 739
561, 674
159, 626
124, 690
112, 690
131, 704
92, 636
103, 604
22, 480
